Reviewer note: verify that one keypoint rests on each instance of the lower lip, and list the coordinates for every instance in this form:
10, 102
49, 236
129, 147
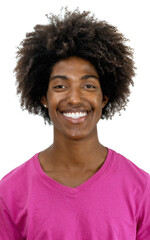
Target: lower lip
78, 120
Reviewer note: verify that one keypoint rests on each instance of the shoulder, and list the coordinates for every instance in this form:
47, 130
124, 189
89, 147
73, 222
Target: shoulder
129, 172
126, 164
18, 178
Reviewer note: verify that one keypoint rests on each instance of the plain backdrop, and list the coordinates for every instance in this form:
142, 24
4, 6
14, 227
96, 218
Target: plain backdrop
22, 134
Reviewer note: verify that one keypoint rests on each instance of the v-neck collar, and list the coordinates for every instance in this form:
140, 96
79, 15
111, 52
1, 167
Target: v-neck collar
58, 186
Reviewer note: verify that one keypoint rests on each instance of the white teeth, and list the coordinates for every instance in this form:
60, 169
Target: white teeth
75, 115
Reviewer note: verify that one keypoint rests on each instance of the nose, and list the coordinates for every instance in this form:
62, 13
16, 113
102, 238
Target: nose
74, 96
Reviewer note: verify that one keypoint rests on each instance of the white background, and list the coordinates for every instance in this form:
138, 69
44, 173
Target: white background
22, 134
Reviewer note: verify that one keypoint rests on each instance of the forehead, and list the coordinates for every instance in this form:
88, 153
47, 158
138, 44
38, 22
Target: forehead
73, 65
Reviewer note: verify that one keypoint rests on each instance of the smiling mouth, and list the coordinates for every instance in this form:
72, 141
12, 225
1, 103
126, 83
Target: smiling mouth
75, 116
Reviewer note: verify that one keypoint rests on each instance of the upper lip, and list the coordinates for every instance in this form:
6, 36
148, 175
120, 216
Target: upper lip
70, 110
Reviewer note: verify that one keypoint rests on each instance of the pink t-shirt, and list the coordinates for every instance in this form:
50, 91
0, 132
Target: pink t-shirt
114, 204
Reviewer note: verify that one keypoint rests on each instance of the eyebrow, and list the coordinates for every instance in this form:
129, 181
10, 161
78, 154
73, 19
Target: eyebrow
66, 78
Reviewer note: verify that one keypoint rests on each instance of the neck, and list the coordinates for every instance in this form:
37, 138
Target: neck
77, 154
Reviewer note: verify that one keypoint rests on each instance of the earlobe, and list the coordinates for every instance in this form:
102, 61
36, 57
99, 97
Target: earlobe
105, 100
44, 101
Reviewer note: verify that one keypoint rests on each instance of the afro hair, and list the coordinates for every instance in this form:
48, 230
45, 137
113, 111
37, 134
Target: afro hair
74, 34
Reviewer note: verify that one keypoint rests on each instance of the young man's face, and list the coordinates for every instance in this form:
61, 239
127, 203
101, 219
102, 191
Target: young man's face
74, 98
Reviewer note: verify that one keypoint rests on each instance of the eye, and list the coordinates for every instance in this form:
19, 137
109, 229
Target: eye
59, 86
89, 86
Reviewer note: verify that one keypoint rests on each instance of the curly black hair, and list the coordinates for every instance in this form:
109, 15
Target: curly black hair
74, 34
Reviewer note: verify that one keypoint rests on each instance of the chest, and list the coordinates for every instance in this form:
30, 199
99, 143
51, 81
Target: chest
91, 214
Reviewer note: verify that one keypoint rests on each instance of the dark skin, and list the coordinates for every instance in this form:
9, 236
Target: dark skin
76, 153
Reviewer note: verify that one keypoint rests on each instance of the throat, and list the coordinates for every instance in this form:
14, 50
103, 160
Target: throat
73, 163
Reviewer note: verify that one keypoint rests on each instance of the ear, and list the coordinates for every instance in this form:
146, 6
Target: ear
105, 101
44, 101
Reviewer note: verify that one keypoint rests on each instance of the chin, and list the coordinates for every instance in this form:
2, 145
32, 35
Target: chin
77, 135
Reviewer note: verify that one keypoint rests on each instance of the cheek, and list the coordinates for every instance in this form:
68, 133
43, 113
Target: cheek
53, 103
53, 99
98, 106
97, 102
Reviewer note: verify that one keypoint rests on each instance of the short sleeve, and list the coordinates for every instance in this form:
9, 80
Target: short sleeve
8, 230
143, 226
